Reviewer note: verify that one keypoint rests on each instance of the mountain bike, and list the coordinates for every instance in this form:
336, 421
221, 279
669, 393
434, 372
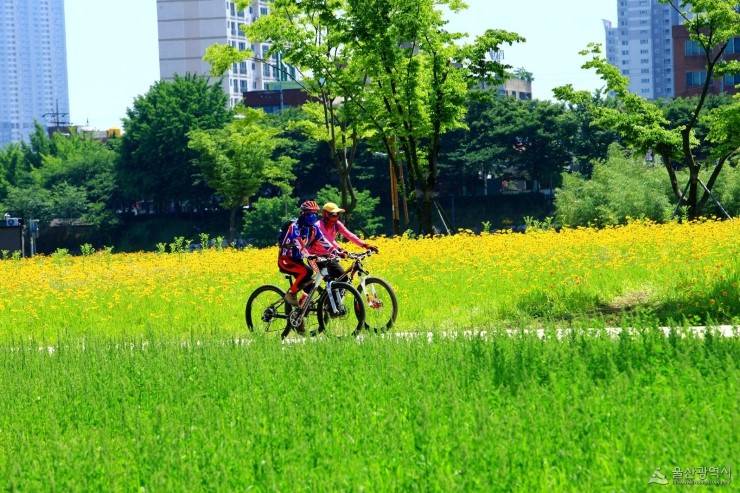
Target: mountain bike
338, 307
381, 305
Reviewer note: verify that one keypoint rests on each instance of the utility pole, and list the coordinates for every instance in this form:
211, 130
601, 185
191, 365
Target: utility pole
57, 118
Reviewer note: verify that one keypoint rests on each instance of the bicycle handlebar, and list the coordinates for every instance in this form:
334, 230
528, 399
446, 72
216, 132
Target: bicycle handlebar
362, 255
351, 256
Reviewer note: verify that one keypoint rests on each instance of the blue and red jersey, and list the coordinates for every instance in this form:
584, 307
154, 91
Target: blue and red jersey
300, 239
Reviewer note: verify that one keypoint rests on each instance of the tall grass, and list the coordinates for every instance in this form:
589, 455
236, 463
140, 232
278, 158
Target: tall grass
469, 414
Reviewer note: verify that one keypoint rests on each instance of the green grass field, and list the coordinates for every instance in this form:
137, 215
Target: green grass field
383, 414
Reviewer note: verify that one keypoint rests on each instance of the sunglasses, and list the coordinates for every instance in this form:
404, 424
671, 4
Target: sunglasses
334, 214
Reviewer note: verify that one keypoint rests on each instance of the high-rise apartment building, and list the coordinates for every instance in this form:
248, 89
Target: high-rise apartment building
33, 67
187, 27
641, 46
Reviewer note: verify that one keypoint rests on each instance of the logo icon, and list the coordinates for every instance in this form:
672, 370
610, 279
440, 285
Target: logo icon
657, 478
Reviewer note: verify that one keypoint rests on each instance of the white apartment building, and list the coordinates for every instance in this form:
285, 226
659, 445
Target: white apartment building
33, 67
187, 27
640, 44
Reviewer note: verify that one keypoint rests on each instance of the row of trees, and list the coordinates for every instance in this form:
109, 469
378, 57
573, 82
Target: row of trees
269, 161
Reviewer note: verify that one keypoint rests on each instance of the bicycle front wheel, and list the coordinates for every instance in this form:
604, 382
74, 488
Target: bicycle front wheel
266, 311
381, 305
341, 311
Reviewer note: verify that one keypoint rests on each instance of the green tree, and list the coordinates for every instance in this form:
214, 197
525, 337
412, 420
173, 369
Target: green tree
642, 124
620, 187
31, 201
310, 36
64, 176
265, 216
237, 159
155, 162
364, 215
386, 70
511, 138
589, 142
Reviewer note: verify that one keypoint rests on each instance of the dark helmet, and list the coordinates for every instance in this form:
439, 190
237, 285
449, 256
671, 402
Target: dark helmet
309, 206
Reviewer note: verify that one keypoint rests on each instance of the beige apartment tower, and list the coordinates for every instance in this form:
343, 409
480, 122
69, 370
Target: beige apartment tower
187, 27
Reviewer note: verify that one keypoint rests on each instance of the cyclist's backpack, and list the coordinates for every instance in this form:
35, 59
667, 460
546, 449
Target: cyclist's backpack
284, 230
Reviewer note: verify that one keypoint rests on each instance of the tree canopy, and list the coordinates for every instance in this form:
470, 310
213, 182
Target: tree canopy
387, 71
155, 162
237, 159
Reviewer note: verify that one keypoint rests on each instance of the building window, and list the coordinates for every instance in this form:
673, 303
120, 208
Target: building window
733, 46
625, 52
732, 80
242, 67
644, 41
644, 60
694, 79
692, 47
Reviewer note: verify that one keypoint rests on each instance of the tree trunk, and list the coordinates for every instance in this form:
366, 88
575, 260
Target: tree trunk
232, 224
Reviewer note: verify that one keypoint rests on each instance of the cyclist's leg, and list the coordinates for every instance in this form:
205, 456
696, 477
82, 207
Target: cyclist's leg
336, 271
300, 271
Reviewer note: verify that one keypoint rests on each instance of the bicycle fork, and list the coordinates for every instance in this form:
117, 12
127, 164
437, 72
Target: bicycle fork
336, 304
369, 293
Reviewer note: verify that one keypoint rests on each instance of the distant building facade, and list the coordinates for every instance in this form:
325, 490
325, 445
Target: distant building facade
33, 67
186, 28
641, 45
516, 88
691, 66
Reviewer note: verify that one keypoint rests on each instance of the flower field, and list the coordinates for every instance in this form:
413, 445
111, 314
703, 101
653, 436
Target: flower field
666, 274
135, 372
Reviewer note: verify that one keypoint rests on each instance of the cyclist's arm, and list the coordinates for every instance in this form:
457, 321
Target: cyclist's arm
350, 235
321, 246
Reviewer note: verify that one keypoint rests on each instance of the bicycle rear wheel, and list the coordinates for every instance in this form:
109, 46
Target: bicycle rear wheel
266, 311
381, 305
346, 315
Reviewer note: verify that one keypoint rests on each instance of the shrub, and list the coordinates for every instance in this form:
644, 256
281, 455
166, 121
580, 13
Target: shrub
264, 218
620, 187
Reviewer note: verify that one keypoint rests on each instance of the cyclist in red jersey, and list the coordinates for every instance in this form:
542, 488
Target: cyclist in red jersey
300, 237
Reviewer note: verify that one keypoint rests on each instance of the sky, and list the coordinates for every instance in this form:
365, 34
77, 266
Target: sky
113, 56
